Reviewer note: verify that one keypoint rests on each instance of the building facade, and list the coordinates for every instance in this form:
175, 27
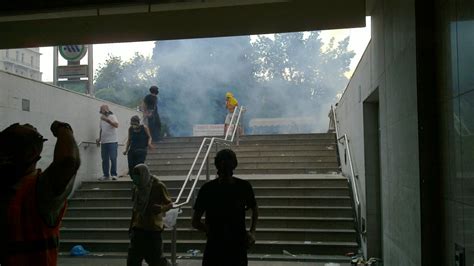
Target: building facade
24, 62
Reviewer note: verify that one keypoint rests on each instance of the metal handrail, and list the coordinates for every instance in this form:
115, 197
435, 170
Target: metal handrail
209, 142
93, 143
355, 189
212, 140
86, 142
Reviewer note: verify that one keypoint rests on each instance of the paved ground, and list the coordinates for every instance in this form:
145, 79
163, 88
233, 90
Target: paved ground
64, 261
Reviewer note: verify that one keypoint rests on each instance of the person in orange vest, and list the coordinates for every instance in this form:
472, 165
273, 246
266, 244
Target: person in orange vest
32, 202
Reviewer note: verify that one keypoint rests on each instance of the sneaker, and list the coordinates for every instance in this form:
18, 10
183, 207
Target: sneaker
114, 177
103, 178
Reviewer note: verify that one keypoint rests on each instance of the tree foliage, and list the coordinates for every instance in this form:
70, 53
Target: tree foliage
299, 67
126, 82
283, 75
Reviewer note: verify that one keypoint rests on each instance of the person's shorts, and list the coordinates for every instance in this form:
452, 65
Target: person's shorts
228, 117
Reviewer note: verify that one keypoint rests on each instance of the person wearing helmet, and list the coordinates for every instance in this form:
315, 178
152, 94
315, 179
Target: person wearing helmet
32, 202
138, 142
230, 104
225, 200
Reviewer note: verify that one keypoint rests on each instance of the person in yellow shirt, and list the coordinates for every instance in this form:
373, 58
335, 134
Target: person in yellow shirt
230, 104
151, 201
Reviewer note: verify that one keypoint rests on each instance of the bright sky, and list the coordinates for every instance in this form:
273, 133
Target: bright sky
359, 38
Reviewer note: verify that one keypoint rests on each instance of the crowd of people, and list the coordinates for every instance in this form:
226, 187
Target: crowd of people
33, 202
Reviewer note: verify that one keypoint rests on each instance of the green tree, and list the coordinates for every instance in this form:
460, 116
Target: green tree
194, 76
127, 82
287, 75
298, 74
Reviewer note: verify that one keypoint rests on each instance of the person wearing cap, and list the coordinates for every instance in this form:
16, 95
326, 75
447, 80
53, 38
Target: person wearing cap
151, 118
109, 143
138, 141
33, 202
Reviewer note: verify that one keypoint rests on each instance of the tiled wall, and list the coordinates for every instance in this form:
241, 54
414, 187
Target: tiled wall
391, 68
455, 79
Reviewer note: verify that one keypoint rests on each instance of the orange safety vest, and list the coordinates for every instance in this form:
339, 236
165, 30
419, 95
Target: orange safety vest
30, 240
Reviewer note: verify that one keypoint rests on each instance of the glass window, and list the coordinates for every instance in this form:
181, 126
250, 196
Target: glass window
22, 57
17, 55
31, 61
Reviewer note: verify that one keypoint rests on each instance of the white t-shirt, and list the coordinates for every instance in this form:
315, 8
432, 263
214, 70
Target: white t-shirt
109, 133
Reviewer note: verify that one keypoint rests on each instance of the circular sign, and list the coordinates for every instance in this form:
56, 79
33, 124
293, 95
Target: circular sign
72, 52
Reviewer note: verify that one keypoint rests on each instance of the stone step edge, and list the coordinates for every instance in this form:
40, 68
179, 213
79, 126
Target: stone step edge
189, 207
256, 177
303, 230
319, 243
251, 256
260, 218
254, 187
257, 197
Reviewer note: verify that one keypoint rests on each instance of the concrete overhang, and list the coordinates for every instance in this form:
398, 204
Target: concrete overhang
34, 24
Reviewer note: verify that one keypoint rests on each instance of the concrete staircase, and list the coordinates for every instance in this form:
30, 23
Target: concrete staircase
304, 204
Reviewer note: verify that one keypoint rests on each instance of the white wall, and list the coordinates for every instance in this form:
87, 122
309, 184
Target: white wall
49, 103
349, 114
390, 66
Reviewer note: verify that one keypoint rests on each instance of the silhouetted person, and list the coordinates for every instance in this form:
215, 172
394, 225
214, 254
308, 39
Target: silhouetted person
151, 118
224, 200
109, 143
138, 142
32, 202
151, 201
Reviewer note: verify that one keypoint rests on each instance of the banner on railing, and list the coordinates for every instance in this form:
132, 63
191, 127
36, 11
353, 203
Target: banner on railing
209, 130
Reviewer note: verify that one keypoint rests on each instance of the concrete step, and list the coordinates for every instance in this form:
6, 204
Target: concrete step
260, 181
242, 149
297, 211
249, 142
247, 160
335, 222
256, 153
315, 201
260, 191
248, 166
118, 258
268, 234
279, 137
275, 247
253, 171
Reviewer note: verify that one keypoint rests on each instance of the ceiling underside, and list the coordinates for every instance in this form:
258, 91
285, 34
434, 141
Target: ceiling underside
44, 23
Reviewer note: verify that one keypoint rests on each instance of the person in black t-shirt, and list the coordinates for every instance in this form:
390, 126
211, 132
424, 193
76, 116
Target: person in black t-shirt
138, 142
151, 118
224, 200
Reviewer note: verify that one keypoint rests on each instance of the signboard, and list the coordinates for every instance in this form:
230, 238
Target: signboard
208, 130
74, 71
72, 52
75, 85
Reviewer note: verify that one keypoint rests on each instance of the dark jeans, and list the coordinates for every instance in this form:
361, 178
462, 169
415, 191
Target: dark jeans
109, 159
145, 245
135, 157
154, 124
225, 252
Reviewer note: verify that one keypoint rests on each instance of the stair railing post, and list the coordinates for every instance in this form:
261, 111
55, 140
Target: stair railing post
173, 246
208, 177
